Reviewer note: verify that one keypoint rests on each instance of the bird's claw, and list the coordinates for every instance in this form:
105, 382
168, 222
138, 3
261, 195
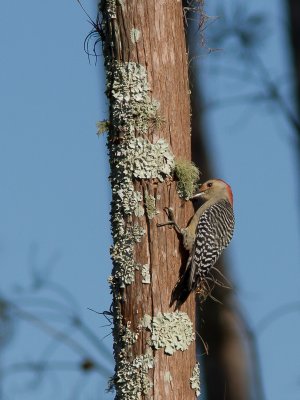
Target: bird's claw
170, 212
171, 220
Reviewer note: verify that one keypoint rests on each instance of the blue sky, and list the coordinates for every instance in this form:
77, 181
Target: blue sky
55, 193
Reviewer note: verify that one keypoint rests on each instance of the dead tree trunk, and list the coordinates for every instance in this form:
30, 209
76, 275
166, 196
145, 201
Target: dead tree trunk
149, 127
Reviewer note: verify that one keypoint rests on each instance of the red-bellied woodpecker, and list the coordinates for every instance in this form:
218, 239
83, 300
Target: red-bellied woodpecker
206, 236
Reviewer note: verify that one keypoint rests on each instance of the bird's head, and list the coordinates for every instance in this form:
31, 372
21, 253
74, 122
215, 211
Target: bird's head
214, 188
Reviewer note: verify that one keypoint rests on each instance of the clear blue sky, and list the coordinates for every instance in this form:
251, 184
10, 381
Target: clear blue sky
55, 193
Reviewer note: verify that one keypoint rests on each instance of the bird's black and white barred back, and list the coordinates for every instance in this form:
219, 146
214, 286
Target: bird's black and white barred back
213, 233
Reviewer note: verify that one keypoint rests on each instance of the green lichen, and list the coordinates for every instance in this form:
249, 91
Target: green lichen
145, 271
171, 331
188, 175
102, 127
135, 35
150, 204
195, 379
132, 378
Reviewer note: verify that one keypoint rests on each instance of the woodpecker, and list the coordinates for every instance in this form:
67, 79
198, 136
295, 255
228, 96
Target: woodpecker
208, 233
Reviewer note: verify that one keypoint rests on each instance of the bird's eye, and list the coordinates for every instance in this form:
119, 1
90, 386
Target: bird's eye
209, 184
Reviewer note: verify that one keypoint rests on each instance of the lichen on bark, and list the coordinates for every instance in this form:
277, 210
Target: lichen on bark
170, 331
140, 159
195, 379
132, 156
132, 112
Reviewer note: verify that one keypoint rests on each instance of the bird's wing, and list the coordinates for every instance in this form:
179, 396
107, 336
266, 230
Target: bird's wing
213, 233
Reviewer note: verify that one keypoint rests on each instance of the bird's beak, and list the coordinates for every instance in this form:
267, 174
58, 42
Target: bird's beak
197, 195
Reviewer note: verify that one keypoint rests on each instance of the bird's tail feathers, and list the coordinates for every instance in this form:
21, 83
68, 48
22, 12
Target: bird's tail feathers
182, 289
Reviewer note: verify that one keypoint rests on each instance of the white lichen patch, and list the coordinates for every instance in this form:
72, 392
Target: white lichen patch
133, 115
139, 210
122, 256
137, 232
130, 199
132, 156
137, 158
146, 278
135, 35
129, 337
150, 160
132, 378
132, 108
171, 331
146, 321
195, 379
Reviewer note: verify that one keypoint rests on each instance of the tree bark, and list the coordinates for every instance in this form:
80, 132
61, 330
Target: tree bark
147, 36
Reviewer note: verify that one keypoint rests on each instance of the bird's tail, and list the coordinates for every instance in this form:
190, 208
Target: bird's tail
181, 291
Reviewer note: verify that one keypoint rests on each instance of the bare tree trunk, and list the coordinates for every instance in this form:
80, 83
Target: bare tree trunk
148, 91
